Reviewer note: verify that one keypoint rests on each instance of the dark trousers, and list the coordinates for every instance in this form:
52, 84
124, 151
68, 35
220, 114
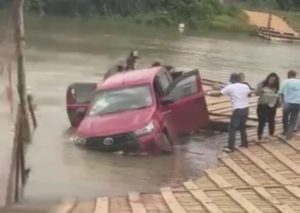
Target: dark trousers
238, 123
290, 117
265, 115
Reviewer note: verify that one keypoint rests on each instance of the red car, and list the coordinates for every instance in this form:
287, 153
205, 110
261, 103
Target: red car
143, 110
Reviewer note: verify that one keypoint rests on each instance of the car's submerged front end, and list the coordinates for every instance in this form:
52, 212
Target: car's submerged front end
146, 139
121, 119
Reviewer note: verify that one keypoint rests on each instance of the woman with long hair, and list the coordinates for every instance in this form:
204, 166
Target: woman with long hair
268, 103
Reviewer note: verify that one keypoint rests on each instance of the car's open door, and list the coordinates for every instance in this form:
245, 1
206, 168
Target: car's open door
78, 99
186, 100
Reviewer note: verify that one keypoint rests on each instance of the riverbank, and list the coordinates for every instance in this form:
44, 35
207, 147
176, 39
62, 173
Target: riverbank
292, 17
233, 21
229, 22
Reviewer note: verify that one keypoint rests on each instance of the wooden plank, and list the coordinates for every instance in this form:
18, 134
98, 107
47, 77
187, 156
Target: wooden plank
291, 143
66, 206
252, 182
171, 201
235, 195
295, 190
272, 173
279, 205
238, 170
219, 180
261, 164
102, 205
136, 203
282, 158
202, 197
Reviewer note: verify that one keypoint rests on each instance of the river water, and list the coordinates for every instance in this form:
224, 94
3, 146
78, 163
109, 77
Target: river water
60, 52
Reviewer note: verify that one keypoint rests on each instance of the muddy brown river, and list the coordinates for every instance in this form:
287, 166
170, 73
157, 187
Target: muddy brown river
60, 52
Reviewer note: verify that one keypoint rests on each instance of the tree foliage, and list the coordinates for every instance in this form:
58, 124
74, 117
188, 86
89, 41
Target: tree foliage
133, 7
120, 7
158, 12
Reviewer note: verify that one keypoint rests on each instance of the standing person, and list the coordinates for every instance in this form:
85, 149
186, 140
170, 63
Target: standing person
267, 104
238, 93
131, 60
290, 94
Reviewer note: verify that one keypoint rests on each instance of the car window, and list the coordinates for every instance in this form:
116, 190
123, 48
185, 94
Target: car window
184, 88
164, 81
112, 101
83, 93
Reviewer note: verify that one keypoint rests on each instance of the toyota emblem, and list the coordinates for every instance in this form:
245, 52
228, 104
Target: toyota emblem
108, 141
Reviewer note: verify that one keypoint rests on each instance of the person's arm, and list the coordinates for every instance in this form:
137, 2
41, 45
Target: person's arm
249, 92
281, 93
224, 91
214, 93
259, 89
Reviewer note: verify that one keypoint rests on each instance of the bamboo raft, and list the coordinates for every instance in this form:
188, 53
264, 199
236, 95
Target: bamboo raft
220, 107
263, 178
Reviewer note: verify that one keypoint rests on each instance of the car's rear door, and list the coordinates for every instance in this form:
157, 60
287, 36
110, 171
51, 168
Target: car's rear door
189, 109
78, 99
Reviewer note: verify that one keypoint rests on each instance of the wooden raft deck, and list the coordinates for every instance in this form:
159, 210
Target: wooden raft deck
263, 178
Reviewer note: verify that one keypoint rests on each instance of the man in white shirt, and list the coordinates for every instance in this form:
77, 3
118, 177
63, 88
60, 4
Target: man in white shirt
239, 96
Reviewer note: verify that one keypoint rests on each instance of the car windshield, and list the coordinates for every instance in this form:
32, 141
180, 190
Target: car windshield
112, 101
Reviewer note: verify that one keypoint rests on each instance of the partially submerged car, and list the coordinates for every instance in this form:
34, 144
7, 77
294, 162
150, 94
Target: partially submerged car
143, 110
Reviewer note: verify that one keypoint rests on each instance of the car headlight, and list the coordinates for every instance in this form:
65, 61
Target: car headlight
146, 130
78, 140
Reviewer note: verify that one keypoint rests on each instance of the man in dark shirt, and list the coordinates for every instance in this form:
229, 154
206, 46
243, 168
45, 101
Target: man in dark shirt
131, 60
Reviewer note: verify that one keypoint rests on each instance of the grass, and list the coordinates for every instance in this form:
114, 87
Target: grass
231, 24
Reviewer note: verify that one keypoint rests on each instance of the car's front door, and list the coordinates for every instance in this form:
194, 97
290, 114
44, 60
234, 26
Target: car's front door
78, 100
188, 107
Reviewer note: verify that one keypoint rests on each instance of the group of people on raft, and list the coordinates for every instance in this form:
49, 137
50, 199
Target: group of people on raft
271, 95
129, 64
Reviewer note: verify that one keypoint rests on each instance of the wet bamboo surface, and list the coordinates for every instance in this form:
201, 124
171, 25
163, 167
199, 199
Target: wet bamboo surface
263, 178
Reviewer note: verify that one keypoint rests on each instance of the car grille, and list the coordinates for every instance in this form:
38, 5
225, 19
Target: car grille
113, 143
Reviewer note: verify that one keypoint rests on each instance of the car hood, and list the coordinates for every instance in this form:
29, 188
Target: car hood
115, 123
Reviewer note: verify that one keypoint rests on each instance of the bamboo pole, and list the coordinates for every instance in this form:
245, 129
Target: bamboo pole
22, 132
18, 18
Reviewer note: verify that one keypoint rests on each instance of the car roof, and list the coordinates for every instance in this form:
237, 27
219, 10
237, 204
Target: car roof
130, 78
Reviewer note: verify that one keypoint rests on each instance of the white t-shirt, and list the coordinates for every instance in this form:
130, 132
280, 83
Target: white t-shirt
238, 94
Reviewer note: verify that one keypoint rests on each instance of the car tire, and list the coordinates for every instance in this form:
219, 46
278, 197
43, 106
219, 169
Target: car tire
166, 146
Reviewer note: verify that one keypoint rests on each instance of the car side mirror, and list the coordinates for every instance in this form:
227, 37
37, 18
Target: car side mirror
166, 101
